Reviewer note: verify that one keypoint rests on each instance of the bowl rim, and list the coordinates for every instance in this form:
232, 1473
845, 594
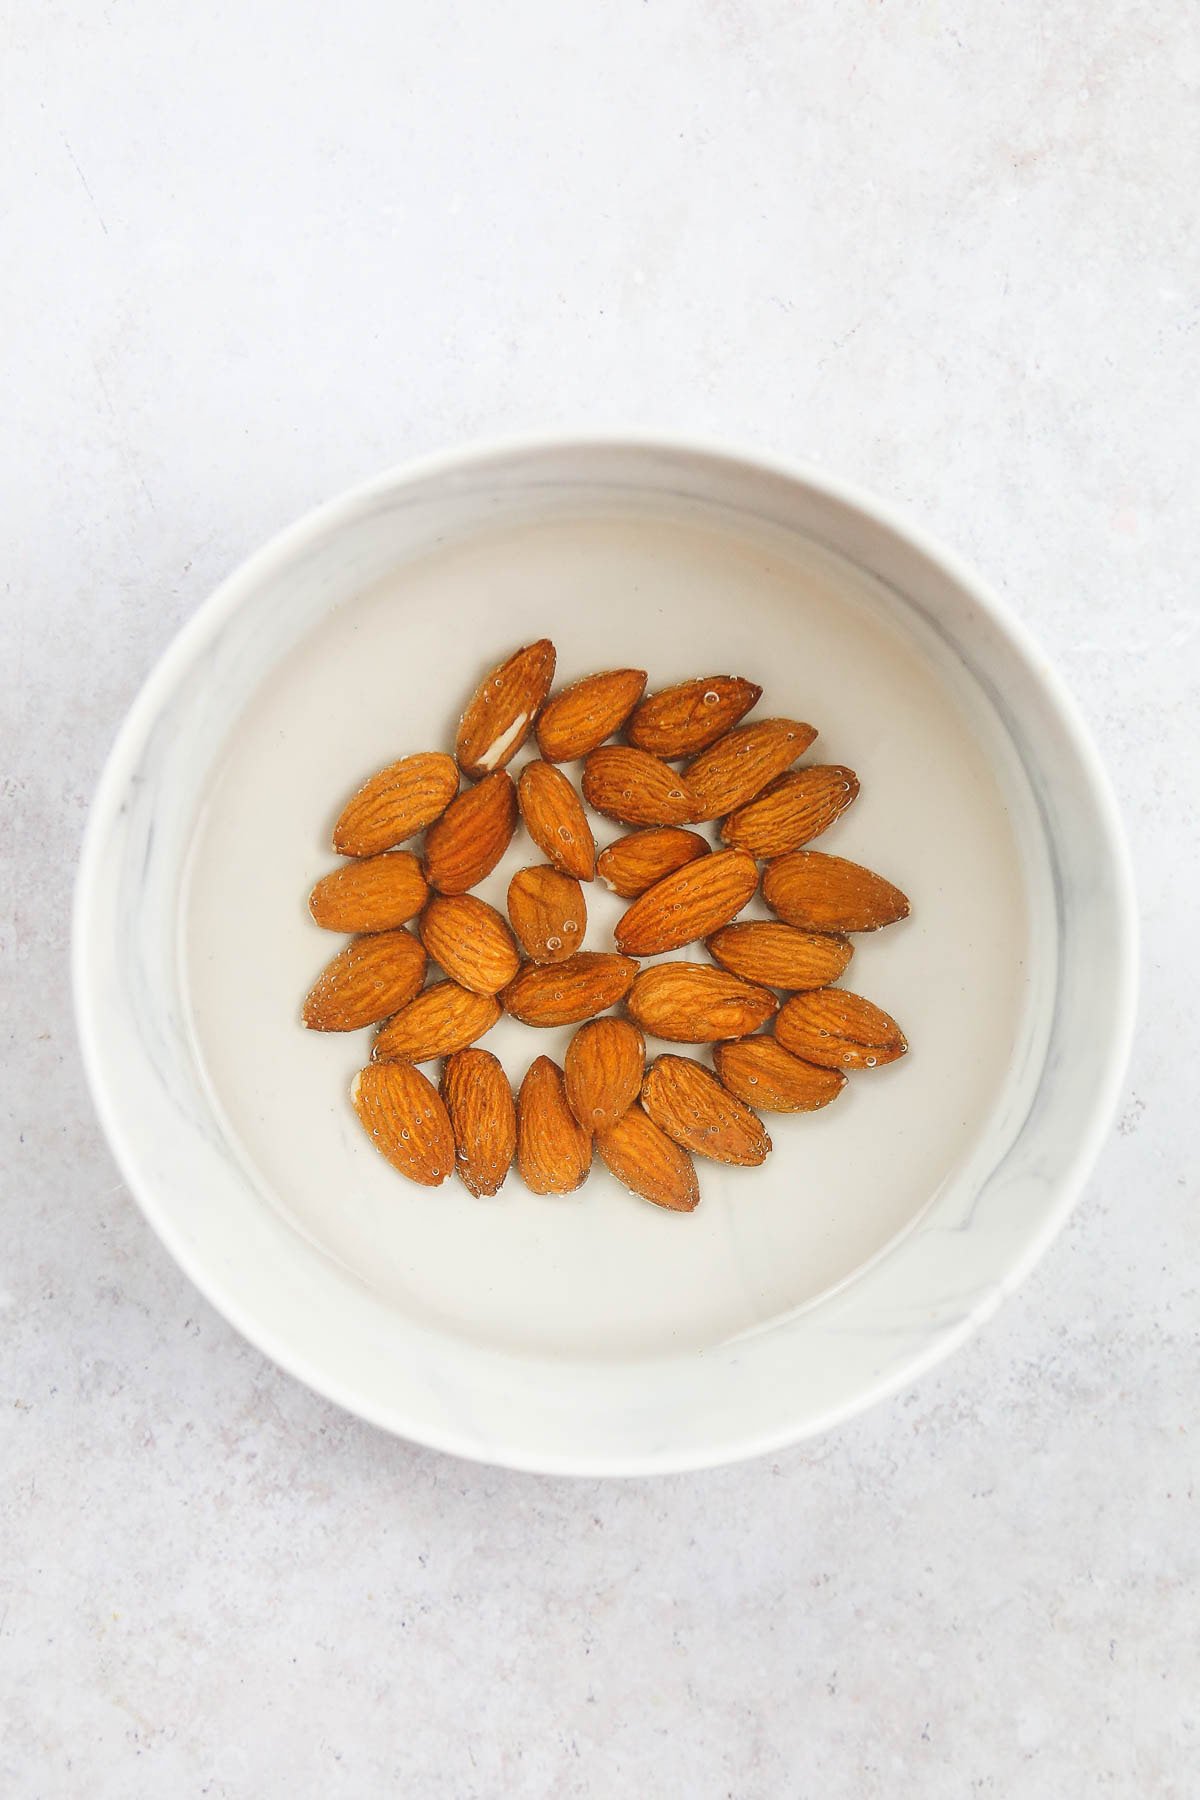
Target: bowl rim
310, 528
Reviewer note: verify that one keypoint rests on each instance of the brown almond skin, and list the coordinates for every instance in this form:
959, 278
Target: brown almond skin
472, 835
554, 1153
603, 1068
794, 809
691, 1003
371, 978
442, 1019
403, 1115
580, 717
375, 893
470, 941
483, 1118
555, 820
548, 913
742, 763
763, 1074
838, 1030
638, 789
780, 956
690, 904
694, 1108
686, 718
396, 803
640, 858
565, 993
817, 892
649, 1163
503, 709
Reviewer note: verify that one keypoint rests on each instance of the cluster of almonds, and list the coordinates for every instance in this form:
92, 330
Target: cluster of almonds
643, 1122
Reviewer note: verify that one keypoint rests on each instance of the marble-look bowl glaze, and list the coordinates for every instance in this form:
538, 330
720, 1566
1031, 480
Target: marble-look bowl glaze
595, 1334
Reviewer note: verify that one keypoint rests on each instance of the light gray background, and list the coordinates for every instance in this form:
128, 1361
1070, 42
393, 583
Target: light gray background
253, 253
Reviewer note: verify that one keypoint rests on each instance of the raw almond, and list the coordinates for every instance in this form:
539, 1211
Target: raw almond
548, 913
692, 1107
603, 1068
645, 1160
764, 1074
442, 1019
635, 862
397, 802
564, 993
637, 788
555, 820
375, 894
371, 978
403, 1115
837, 1030
780, 956
471, 941
689, 904
584, 714
740, 764
504, 707
690, 1003
483, 1119
793, 810
680, 720
554, 1152
827, 893
472, 835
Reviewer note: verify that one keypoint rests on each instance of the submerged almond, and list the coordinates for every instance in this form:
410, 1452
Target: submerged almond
403, 1115
690, 1003
555, 820
779, 955
603, 1068
794, 809
637, 788
374, 893
689, 904
472, 835
371, 978
548, 913
580, 717
826, 893
761, 1072
554, 1152
469, 940
681, 720
649, 1163
740, 764
503, 709
694, 1108
547, 994
640, 858
396, 803
483, 1118
442, 1019
838, 1030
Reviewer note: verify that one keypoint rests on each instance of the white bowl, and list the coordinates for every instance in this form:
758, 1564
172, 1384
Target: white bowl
596, 1334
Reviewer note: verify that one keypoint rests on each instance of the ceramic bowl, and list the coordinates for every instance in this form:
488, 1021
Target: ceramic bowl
594, 1333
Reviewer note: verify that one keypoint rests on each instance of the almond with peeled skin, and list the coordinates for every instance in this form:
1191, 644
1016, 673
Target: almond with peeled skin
376, 893
837, 1030
472, 835
548, 913
640, 858
637, 788
690, 1003
794, 809
404, 1117
649, 1163
740, 764
686, 718
554, 1152
555, 820
692, 1107
483, 1118
581, 716
503, 709
469, 940
396, 803
687, 905
779, 955
826, 893
371, 978
603, 1068
442, 1019
545, 994
762, 1073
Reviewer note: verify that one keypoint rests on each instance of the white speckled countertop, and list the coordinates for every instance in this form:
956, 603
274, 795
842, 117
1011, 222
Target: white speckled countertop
255, 254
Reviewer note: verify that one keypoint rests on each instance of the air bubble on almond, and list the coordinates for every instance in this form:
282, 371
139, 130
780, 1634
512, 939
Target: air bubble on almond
404, 1135
753, 1080
675, 794
567, 836
569, 925
872, 1061
711, 699
554, 943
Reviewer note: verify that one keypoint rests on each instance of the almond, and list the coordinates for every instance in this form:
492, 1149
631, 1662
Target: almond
548, 913
692, 1107
371, 978
779, 955
740, 764
564, 993
645, 1160
397, 802
637, 788
403, 1115
680, 720
837, 1030
603, 1068
635, 862
442, 1019
555, 820
793, 810
472, 835
581, 716
504, 707
376, 894
689, 904
690, 1003
827, 893
764, 1074
471, 941
483, 1118
554, 1152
